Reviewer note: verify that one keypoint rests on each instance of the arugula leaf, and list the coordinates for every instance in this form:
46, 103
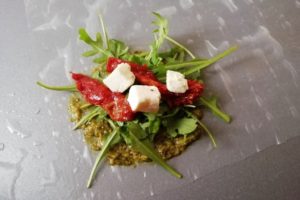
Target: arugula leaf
181, 126
175, 54
70, 88
101, 155
180, 45
117, 48
146, 148
210, 61
210, 135
211, 103
152, 126
137, 129
97, 111
136, 58
159, 36
97, 45
90, 53
162, 34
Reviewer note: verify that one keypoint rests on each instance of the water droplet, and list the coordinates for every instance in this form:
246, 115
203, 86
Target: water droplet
2, 146
198, 17
86, 155
49, 112
167, 11
297, 4
190, 41
11, 94
195, 176
119, 196
269, 116
247, 128
277, 140
46, 99
137, 26
39, 156
230, 5
221, 21
36, 143
92, 195
84, 195
257, 148
75, 170
75, 151
186, 4
151, 190
55, 133
15, 128
209, 147
116, 171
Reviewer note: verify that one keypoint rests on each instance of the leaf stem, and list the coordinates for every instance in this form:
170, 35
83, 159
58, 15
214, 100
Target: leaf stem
180, 45
184, 64
210, 61
87, 117
70, 88
210, 135
104, 30
86, 105
215, 110
101, 156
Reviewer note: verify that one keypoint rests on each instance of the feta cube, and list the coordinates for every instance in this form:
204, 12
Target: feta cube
120, 79
144, 98
176, 82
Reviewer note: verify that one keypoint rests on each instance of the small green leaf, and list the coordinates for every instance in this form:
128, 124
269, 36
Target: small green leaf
154, 126
96, 111
147, 149
211, 103
159, 37
96, 45
117, 48
137, 129
84, 36
90, 53
181, 126
100, 60
99, 40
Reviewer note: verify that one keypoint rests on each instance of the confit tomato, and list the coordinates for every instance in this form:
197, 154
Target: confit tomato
147, 77
94, 92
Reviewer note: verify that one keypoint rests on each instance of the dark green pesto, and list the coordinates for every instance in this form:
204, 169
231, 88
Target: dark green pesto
122, 154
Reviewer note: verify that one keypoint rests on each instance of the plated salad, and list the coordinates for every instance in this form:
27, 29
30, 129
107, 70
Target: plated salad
138, 106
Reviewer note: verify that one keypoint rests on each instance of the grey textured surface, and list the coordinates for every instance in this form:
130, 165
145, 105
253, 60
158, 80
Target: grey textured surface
271, 174
42, 158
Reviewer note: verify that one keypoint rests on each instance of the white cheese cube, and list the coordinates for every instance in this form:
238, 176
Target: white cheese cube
176, 82
144, 98
120, 79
